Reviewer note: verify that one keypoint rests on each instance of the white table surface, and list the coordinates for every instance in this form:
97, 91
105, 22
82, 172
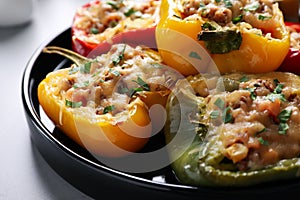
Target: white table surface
24, 174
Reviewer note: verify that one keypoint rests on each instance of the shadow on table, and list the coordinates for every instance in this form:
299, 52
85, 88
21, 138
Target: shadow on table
56, 186
7, 32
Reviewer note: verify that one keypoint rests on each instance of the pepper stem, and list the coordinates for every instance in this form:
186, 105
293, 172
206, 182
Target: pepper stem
73, 56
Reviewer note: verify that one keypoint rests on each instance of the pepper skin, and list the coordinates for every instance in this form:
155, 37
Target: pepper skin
290, 63
199, 156
257, 53
134, 36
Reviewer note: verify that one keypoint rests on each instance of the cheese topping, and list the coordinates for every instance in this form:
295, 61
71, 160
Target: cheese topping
259, 14
108, 83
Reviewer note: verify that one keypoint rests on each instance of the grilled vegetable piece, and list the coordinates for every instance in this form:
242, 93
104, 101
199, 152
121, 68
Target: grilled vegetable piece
243, 129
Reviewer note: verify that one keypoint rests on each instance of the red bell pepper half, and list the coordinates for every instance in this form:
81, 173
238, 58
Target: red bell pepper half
141, 36
291, 62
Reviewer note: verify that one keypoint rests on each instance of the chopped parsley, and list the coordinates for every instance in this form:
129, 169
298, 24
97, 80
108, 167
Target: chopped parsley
263, 17
237, 19
220, 42
73, 104
226, 111
283, 118
142, 84
116, 60
85, 68
244, 79
214, 114
262, 141
278, 88
108, 109
227, 3
227, 116
194, 54
220, 103
208, 26
115, 5
94, 30
81, 85
129, 12
73, 70
114, 72
273, 96
157, 65
277, 93
252, 93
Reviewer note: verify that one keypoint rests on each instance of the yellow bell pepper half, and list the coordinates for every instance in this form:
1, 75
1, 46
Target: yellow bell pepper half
100, 134
262, 48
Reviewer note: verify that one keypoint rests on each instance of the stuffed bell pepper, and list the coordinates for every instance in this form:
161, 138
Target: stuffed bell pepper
103, 103
236, 130
114, 21
292, 60
238, 35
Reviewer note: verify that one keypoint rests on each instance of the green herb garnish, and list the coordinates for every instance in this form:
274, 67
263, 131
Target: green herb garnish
142, 83
114, 72
237, 19
220, 42
214, 114
220, 103
283, 118
108, 109
244, 79
227, 116
143, 86
132, 91
262, 141
262, 17
208, 26
227, 3
194, 54
94, 30
129, 12
278, 88
73, 104
85, 68
73, 70
114, 5
81, 85
120, 57
226, 111
252, 93
273, 96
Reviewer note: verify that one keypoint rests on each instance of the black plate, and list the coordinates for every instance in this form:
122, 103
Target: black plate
95, 179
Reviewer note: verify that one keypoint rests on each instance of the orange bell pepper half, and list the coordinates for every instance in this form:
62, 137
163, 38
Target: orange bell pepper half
251, 42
